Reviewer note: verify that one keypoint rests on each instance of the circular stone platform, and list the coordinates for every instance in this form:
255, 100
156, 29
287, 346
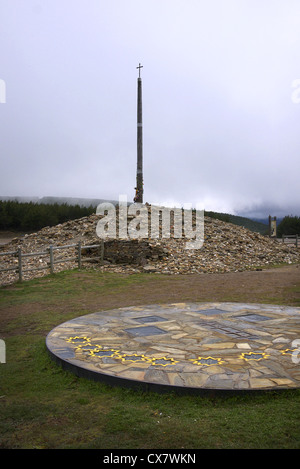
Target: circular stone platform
185, 347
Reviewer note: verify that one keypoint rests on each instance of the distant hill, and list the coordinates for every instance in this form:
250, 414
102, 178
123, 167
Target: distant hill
265, 221
252, 225
255, 225
82, 202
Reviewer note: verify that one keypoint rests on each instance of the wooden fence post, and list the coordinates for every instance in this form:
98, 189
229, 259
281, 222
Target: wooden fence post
102, 251
18, 253
79, 254
20, 264
51, 259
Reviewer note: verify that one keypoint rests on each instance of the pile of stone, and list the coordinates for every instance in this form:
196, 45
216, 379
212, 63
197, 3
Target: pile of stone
227, 248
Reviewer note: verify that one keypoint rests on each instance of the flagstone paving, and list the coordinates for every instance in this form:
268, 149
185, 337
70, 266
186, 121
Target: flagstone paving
185, 347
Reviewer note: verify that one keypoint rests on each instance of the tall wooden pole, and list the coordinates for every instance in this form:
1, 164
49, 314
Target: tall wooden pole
139, 173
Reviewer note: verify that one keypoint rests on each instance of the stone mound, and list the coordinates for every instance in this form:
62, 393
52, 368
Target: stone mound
227, 248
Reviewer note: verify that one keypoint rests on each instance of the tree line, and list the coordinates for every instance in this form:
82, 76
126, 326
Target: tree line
290, 225
31, 216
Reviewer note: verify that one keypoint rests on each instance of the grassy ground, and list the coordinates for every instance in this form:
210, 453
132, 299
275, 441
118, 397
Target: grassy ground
42, 406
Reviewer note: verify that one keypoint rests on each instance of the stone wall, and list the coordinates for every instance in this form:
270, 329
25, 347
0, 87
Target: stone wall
136, 252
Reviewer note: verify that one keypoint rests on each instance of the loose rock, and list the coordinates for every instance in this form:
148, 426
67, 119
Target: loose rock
226, 248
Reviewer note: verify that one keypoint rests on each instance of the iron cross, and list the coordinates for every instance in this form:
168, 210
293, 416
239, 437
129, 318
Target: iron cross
139, 67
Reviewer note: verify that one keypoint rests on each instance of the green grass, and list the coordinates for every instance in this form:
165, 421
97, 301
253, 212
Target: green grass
296, 293
67, 283
43, 406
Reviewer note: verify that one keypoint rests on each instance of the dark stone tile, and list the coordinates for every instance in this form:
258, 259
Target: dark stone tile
210, 312
66, 354
143, 331
104, 353
146, 319
253, 317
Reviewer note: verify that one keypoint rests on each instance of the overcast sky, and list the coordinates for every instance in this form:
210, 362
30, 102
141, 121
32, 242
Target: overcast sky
221, 101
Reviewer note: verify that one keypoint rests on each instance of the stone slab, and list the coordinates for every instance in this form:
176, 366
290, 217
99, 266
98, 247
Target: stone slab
185, 347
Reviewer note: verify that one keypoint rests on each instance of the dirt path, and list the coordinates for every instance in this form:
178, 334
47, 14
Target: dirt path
254, 286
